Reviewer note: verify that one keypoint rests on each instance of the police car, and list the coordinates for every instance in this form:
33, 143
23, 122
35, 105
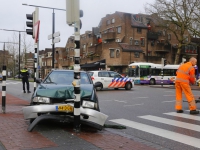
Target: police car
111, 79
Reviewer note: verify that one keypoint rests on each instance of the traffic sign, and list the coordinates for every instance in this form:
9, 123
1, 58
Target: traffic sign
56, 40
56, 34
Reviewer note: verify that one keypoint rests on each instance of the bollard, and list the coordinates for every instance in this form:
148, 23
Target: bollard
4, 90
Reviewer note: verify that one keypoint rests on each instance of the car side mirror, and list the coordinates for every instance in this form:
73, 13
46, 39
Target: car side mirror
97, 85
38, 80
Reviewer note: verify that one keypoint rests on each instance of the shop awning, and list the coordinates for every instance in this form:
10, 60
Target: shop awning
97, 64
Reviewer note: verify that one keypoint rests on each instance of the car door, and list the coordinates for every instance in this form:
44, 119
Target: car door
114, 79
104, 78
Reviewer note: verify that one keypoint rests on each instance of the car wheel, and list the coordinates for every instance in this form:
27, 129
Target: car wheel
100, 87
128, 86
152, 82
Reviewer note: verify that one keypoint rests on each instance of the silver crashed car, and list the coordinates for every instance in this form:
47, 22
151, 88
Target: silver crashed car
54, 99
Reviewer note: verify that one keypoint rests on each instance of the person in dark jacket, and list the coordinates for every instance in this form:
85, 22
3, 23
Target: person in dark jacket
25, 75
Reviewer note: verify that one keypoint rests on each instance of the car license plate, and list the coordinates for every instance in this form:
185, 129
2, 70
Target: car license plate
67, 108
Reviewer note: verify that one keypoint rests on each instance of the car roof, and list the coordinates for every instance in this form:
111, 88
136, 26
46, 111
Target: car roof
64, 70
101, 71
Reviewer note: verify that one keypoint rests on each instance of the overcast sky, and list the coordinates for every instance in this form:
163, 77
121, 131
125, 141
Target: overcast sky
13, 16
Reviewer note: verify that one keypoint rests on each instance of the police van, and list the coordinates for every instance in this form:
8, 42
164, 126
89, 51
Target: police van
111, 79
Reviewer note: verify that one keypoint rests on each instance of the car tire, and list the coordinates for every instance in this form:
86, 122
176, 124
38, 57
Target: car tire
99, 88
152, 82
128, 86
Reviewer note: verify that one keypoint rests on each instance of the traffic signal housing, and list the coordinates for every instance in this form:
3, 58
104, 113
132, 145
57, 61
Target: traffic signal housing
165, 62
30, 23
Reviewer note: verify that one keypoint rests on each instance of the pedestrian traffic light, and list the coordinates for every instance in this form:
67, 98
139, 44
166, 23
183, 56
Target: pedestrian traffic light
165, 62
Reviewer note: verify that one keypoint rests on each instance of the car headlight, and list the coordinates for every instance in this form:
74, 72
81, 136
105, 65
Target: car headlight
88, 104
41, 99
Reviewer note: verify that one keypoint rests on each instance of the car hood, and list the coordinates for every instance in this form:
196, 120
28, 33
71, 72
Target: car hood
62, 91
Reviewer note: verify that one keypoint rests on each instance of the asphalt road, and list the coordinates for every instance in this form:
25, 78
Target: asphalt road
147, 112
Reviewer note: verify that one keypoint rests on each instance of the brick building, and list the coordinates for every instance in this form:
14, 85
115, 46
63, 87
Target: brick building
120, 39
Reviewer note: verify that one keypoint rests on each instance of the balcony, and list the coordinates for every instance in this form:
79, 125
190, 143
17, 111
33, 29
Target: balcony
152, 35
108, 36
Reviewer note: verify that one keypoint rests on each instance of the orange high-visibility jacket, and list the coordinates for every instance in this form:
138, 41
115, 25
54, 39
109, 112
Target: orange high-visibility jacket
186, 73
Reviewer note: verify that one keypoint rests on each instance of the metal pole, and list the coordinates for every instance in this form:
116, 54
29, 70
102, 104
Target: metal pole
53, 30
147, 47
77, 76
4, 90
35, 68
19, 54
4, 53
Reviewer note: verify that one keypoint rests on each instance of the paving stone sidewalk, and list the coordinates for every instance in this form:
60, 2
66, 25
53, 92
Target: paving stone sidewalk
50, 136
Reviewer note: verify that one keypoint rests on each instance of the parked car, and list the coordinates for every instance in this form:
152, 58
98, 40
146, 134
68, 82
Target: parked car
54, 99
1, 77
111, 79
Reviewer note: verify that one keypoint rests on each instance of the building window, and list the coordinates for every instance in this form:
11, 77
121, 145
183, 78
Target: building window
139, 30
169, 37
142, 39
185, 38
108, 22
136, 54
113, 20
117, 53
136, 42
164, 33
131, 41
119, 29
112, 53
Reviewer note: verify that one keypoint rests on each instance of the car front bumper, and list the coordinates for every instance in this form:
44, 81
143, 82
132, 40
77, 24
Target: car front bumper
94, 117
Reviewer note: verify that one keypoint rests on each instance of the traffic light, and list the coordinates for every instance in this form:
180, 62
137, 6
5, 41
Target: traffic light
165, 62
30, 23
73, 12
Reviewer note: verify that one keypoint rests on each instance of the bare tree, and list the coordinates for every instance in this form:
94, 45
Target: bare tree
26, 45
176, 16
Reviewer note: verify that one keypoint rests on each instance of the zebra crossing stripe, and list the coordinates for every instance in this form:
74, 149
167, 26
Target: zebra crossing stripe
188, 140
172, 122
187, 116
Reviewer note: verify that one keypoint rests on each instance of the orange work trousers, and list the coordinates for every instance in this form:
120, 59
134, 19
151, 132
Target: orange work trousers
184, 87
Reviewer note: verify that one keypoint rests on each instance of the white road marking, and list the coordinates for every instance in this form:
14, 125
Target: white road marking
172, 122
134, 105
168, 101
106, 100
187, 116
120, 101
160, 132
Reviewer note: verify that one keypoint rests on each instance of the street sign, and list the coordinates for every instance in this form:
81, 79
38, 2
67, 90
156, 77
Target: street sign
50, 36
56, 40
56, 34
36, 29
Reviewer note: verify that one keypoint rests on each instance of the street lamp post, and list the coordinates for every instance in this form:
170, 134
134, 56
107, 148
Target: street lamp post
19, 44
53, 27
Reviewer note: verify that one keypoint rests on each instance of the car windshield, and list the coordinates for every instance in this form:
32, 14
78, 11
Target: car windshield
65, 77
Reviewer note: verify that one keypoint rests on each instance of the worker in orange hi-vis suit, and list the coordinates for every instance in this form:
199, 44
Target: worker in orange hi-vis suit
185, 76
